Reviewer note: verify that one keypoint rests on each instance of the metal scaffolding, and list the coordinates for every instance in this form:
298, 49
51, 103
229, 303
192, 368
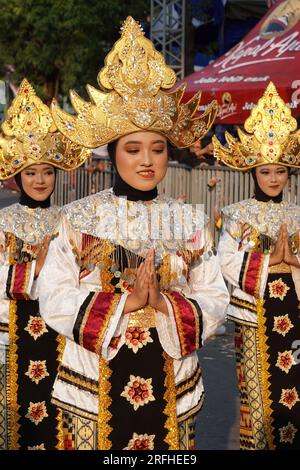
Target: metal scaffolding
168, 32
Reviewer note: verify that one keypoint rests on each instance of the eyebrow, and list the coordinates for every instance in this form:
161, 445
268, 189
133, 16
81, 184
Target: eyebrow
37, 169
139, 142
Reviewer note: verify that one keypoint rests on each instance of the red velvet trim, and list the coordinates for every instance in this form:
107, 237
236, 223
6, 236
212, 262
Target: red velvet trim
19, 282
86, 240
98, 315
186, 322
251, 278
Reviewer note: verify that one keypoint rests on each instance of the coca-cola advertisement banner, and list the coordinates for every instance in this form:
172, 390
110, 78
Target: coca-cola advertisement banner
271, 51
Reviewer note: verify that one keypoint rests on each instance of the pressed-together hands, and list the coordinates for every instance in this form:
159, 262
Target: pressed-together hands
282, 251
146, 290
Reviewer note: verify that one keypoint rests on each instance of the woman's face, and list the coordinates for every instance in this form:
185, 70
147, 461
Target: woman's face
272, 179
38, 181
142, 159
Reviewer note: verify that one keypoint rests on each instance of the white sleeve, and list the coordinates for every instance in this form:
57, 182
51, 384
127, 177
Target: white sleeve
67, 305
208, 289
207, 292
234, 263
58, 285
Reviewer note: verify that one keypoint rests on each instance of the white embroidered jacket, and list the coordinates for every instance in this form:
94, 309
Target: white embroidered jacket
75, 281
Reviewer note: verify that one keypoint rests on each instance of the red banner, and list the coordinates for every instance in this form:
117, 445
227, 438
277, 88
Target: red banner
271, 51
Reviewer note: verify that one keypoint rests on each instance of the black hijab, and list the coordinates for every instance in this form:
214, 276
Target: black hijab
26, 200
121, 188
259, 195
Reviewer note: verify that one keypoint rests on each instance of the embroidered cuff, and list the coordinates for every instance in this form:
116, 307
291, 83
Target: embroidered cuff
188, 318
19, 281
250, 274
93, 319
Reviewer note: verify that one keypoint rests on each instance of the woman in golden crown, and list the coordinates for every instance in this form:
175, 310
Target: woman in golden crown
134, 297
259, 257
31, 150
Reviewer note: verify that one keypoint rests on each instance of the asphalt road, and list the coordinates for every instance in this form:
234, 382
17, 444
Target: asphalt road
218, 421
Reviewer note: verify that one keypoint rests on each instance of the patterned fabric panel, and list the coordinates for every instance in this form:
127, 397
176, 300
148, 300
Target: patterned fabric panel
187, 434
79, 433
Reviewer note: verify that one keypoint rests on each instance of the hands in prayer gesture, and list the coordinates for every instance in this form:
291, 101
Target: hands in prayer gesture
146, 290
282, 251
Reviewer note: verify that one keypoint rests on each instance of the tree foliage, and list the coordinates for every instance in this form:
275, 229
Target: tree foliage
61, 44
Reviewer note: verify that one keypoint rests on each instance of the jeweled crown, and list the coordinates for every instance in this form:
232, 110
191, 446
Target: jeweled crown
270, 136
133, 98
31, 137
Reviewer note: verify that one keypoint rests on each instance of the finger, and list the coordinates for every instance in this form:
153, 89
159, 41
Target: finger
149, 264
140, 270
153, 258
144, 274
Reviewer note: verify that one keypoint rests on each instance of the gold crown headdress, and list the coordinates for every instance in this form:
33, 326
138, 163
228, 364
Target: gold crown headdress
30, 137
270, 136
133, 99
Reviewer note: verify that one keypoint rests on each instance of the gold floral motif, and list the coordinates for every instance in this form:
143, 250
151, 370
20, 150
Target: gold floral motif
289, 397
37, 371
285, 361
141, 442
287, 433
138, 391
36, 327
136, 337
37, 412
282, 324
278, 289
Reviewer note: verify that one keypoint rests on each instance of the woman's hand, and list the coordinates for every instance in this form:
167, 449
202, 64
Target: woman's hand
41, 256
155, 300
139, 296
277, 256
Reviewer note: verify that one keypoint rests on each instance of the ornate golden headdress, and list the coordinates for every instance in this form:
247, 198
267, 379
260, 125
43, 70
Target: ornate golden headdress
133, 99
31, 137
270, 136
